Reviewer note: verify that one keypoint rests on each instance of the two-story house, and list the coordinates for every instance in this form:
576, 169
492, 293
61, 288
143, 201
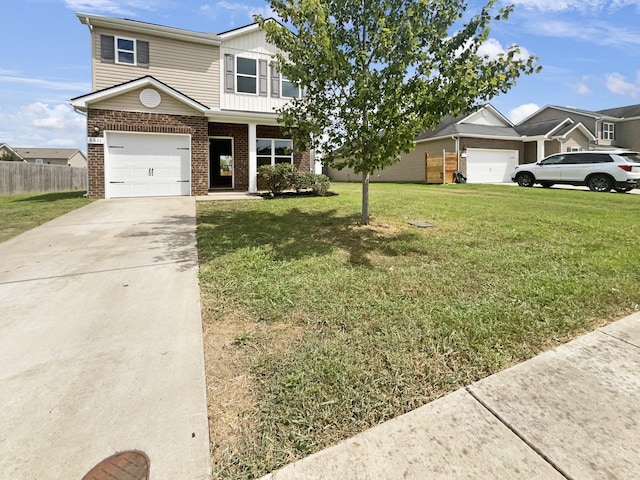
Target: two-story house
177, 112
545, 131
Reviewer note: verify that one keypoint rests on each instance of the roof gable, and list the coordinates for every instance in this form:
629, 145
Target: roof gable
484, 122
83, 102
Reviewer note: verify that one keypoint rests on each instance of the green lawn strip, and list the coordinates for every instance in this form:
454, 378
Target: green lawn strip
394, 316
26, 211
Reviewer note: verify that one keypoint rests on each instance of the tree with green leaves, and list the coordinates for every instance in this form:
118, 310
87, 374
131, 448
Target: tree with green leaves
377, 73
10, 156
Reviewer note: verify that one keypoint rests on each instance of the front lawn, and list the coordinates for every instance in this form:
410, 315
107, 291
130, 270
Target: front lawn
317, 328
20, 213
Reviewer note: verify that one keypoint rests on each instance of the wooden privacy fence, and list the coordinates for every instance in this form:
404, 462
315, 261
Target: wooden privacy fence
21, 177
440, 168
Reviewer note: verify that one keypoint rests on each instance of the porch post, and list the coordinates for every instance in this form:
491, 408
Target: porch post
539, 150
253, 159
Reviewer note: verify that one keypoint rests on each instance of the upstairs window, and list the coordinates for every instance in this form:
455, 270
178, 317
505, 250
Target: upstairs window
124, 51
247, 75
608, 131
289, 89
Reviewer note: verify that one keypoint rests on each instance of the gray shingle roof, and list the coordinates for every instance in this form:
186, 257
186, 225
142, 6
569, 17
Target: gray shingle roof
622, 112
61, 153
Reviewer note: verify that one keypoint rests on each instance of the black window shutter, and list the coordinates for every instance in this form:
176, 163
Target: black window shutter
262, 90
275, 80
107, 48
229, 73
142, 51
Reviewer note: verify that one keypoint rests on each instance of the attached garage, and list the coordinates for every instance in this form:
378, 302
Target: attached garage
490, 165
147, 164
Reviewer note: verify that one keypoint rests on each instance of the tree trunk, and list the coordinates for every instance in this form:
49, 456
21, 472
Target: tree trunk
365, 199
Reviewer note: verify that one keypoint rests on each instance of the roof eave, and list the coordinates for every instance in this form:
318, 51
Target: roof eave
147, 28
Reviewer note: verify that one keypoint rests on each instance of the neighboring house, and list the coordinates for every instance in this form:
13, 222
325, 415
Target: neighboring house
9, 154
614, 128
486, 146
176, 112
485, 142
68, 157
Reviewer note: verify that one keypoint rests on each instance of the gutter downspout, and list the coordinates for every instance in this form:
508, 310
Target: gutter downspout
457, 140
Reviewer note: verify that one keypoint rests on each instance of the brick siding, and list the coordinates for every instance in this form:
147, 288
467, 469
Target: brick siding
240, 135
114, 120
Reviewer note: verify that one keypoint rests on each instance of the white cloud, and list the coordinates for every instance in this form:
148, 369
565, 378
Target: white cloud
114, 7
246, 12
596, 32
493, 48
581, 87
41, 125
523, 111
48, 84
616, 83
582, 6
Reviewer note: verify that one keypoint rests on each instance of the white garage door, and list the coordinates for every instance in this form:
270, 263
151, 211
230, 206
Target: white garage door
490, 166
147, 165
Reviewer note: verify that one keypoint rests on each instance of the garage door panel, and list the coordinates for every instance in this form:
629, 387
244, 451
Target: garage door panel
490, 165
139, 164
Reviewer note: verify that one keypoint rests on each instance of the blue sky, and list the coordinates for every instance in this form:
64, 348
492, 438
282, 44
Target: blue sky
589, 51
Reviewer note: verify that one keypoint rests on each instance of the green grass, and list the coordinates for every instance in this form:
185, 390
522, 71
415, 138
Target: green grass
345, 326
20, 213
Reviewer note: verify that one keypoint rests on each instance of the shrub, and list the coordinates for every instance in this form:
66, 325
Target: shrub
303, 181
321, 184
278, 177
282, 176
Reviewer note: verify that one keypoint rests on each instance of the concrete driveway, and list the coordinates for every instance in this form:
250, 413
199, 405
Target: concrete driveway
101, 342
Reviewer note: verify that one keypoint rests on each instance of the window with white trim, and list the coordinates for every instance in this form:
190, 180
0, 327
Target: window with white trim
608, 131
271, 151
39, 161
246, 75
289, 89
125, 50
574, 149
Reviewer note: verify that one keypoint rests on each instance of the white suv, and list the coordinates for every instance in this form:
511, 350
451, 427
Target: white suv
600, 171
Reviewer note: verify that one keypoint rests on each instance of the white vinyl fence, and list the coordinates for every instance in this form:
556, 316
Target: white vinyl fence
20, 177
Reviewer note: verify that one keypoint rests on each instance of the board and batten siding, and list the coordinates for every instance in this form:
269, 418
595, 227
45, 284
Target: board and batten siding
191, 68
130, 102
251, 45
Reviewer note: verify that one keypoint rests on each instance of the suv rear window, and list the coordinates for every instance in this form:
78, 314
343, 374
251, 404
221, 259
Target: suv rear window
630, 157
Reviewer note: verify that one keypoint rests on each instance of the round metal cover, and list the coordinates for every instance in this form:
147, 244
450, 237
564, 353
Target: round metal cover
150, 98
131, 465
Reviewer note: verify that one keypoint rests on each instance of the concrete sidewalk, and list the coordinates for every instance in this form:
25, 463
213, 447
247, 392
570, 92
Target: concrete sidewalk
101, 342
570, 413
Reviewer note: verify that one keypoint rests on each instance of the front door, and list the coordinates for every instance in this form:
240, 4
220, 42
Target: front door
220, 163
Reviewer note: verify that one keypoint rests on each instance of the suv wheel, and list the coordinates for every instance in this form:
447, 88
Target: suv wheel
599, 183
525, 179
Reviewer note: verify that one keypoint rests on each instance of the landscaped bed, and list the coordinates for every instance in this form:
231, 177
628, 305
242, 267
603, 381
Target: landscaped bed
317, 328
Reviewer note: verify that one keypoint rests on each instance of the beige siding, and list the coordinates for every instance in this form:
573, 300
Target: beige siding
191, 68
575, 139
130, 102
78, 160
410, 167
530, 153
628, 134
552, 147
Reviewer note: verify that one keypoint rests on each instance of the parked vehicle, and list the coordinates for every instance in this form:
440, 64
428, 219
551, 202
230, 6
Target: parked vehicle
599, 170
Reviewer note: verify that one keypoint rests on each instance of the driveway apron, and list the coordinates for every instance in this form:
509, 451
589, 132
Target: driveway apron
101, 342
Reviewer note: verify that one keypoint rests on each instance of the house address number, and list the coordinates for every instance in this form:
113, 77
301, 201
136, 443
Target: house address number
95, 140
